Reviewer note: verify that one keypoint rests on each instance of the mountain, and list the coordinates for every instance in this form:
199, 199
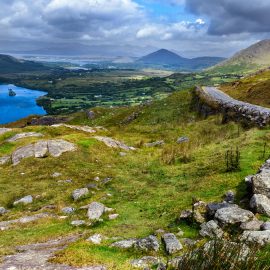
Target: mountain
170, 59
248, 60
9, 64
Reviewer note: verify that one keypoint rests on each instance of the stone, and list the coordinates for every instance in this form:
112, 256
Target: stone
41, 149
200, 211
92, 186
185, 214
213, 207
113, 143
229, 197
68, 210
174, 262
125, 244
256, 237
58, 147
149, 243
95, 210
2, 211
211, 229
4, 130
172, 244
188, 242
23, 152
56, 174
253, 225
261, 183
96, 239
4, 160
90, 115
233, 215
182, 140
261, 204
24, 135
77, 223
154, 144
79, 193
146, 261
80, 128
265, 226
25, 200
113, 216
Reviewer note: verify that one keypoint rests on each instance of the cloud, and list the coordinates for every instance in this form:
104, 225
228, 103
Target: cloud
233, 16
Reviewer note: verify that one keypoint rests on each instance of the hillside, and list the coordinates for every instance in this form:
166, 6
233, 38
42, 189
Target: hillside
170, 59
248, 60
253, 89
9, 64
146, 188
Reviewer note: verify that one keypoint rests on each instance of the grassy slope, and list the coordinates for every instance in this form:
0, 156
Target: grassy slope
254, 89
147, 192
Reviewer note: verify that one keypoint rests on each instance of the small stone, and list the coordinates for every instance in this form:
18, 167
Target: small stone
180, 232
172, 244
149, 243
97, 178
186, 214
79, 193
96, 239
68, 210
92, 186
200, 211
265, 226
211, 229
113, 216
2, 211
229, 197
182, 140
125, 244
56, 174
77, 223
25, 200
95, 210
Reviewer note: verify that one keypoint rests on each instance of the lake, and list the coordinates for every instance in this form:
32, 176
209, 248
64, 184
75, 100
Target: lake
19, 106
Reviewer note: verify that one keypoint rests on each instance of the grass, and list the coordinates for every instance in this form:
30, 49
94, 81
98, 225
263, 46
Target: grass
146, 190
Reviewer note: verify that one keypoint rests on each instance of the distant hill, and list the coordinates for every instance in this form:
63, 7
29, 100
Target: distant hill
9, 64
167, 58
248, 60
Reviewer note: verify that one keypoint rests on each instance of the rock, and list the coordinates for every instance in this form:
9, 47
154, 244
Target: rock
145, 262
4, 130
256, 237
130, 118
125, 244
92, 186
182, 140
41, 149
233, 215
58, 147
253, 225
68, 210
95, 210
113, 143
25, 200
229, 197
113, 216
4, 160
211, 229
90, 115
261, 183
188, 242
213, 207
161, 266
77, 223
172, 244
149, 243
79, 193
265, 226
56, 174
96, 239
174, 262
80, 128
154, 144
200, 211
24, 135
180, 232
261, 204
97, 179
23, 152
2, 211
185, 214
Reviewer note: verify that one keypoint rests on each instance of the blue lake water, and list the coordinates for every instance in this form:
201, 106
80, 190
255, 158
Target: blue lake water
19, 106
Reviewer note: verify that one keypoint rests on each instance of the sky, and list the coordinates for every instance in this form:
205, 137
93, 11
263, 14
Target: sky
191, 28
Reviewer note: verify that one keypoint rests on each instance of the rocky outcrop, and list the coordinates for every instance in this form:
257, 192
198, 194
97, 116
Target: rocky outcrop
113, 143
41, 149
23, 136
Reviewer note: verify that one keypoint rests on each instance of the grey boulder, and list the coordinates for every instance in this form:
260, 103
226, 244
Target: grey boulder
172, 244
125, 244
261, 204
256, 237
79, 193
211, 229
261, 183
149, 243
68, 210
25, 200
95, 210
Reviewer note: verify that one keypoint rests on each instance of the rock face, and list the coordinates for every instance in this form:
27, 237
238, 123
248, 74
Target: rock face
40, 150
24, 135
233, 215
259, 237
25, 200
79, 193
113, 143
172, 244
261, 204
95, 210
211, 229
149, 243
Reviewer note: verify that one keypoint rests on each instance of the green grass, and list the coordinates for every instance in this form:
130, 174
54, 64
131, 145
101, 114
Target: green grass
149, 187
